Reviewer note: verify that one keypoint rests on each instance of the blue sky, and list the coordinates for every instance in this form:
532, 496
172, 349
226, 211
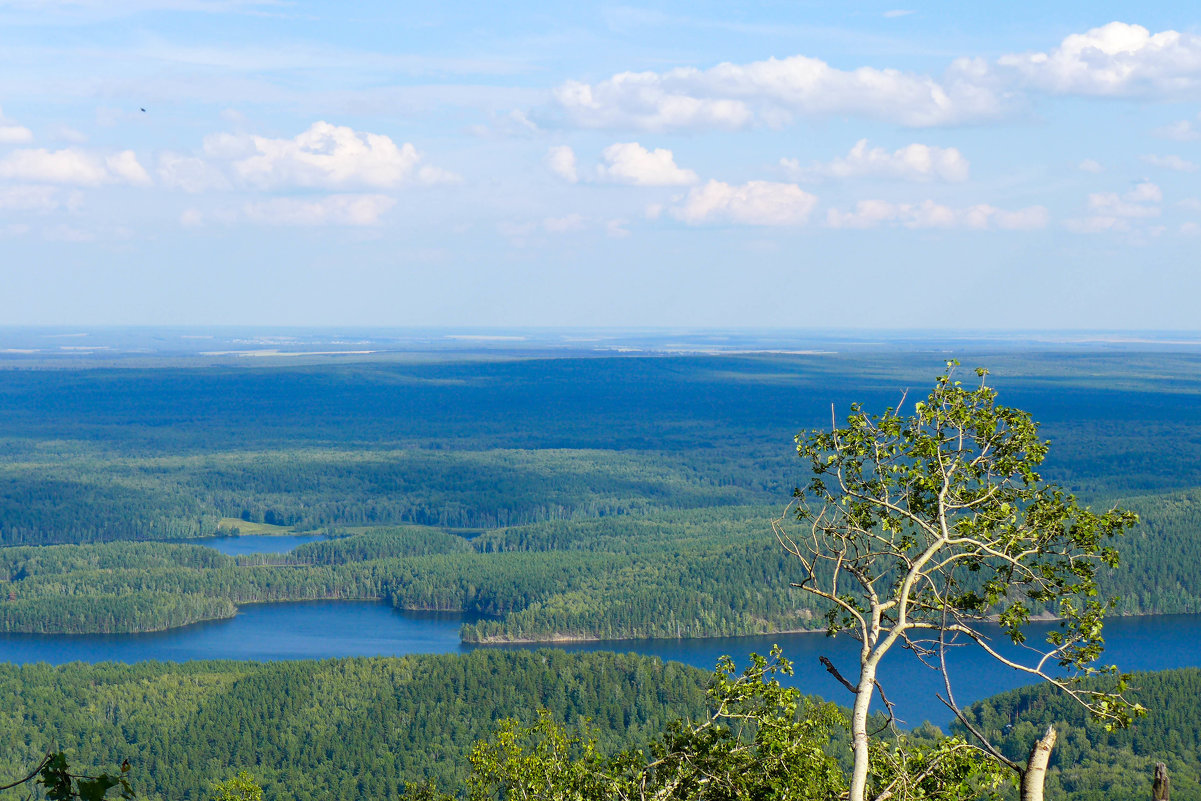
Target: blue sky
795, 164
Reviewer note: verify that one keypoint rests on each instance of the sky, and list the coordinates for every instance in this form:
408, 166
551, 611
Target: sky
935, 165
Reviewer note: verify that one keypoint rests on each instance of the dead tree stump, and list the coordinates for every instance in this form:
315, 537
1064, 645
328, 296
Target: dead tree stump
1162, 787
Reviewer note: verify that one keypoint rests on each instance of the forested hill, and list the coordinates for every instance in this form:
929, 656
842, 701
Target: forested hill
363, 728
692, 573
351, 728
1091, 764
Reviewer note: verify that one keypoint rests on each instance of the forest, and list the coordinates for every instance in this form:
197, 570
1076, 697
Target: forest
375, 728
693, 573
491, 487
549, 500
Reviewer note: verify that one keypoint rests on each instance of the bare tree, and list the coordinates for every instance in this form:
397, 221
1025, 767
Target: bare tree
930, 530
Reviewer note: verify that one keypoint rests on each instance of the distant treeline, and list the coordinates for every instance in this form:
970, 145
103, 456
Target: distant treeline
110, 454
87, 499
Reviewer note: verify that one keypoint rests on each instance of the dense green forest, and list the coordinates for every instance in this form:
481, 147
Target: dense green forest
692, 573
351, 728
617, 497
104, 454
1092, 764
366, 727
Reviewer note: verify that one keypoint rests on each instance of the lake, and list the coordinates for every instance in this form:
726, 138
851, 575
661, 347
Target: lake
254, 543
325, 629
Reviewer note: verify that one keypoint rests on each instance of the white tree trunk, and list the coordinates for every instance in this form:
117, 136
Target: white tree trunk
1036, 767
859, 743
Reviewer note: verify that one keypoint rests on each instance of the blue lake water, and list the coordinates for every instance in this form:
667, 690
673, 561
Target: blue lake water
324, 629
255, 543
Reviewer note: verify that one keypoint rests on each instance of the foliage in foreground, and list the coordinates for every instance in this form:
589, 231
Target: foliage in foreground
53, 774
920, 529
760, 741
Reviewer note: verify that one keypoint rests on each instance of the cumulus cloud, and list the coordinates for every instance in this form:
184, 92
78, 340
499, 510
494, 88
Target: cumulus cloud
928, 214
752, 203
189, 173
124, 167
631, 163
1096, 225
1110, 211
1180, 131
30, 198
560, 159
1117, 59
1090, 165
13, 134
354, 210
734, 95
73, 166
1170, 163
915, 162
325, 156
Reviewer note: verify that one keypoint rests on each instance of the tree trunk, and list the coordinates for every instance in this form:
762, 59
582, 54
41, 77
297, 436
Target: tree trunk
1036, 767
863, 700
1162, 788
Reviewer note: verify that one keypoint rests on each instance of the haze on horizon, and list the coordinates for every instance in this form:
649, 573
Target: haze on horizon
934, 166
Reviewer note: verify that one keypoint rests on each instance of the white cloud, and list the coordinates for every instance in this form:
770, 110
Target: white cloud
561, 161
1170, 163
928, 214
1097, 225
29, 198
328, 210
752, 203
1113, 212
1181, 131
189, 173
13, 134
1117, 59
1090, 165
73, 166
1190, 204
898, 12
734, 95
191, 218
631, 163
66, 133
1108, 204
915, 162
1145, 192
326, 156
617, 229
124, 167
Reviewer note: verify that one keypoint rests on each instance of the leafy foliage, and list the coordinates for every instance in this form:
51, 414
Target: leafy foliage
760, 741
916, 529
